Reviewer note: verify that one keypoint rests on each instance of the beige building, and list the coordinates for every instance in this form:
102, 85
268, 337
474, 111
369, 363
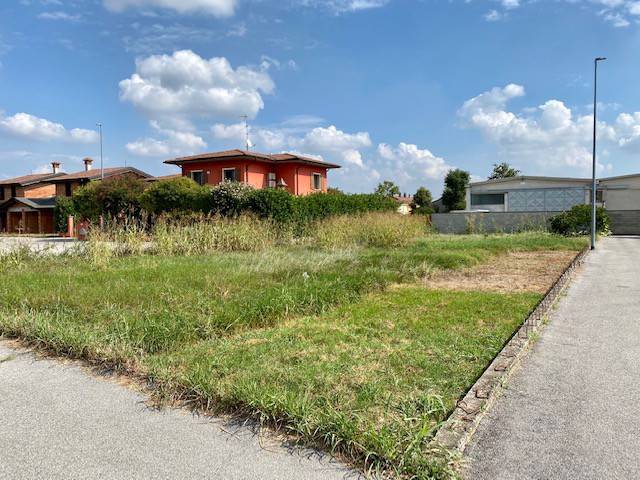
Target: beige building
541, 195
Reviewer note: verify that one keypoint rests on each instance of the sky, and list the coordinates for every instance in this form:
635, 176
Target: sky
399, 90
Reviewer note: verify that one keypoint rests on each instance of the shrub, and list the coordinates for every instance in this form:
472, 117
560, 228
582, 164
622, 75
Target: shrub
63, 210
175, 195
577, 221
113, 196
277, 205
322, 205
229, 199
368, 230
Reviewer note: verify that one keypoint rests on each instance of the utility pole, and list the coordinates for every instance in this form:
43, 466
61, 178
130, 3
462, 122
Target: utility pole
594, 190
101, 159
247, 142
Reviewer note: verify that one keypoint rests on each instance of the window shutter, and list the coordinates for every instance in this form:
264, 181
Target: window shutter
238, 175
205, 177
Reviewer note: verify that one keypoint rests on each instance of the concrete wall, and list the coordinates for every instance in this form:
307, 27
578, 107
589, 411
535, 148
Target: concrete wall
490, 222
625, 222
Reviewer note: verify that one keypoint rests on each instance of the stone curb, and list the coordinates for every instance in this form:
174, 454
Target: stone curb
456, 432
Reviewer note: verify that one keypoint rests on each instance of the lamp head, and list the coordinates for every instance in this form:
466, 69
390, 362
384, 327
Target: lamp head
600, 59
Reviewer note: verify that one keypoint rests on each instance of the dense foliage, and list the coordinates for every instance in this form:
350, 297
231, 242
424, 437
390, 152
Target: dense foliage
387, 189
422, 202
503, 170
455, 187
175, 195
63, 210
113, 197
577, 221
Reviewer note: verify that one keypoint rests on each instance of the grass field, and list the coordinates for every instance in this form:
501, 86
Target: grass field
344, 348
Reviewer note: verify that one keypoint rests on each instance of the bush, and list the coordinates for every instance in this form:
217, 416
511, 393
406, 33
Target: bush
63, 210
229, 199
322, 205
422, 202
577, 221
277, 205
175, 195
113, 196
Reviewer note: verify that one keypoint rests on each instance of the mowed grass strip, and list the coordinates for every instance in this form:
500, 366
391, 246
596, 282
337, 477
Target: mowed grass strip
306, 338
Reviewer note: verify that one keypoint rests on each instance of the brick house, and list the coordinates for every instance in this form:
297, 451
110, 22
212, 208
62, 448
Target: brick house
298, 174
27, 203
66, 184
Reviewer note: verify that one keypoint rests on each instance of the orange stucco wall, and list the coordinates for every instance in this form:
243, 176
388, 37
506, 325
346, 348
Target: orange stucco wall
298, 177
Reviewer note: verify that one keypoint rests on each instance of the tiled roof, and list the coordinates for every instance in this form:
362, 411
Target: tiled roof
95, 174
275, 158
30, 179
37, 203
163, 177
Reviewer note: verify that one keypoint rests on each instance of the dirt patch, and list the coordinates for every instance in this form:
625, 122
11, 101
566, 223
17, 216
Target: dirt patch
513, 272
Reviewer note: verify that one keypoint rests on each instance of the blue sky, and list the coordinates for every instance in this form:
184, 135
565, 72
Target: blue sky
391, 89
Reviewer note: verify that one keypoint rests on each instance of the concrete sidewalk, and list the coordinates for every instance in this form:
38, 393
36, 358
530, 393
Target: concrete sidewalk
59, 422
571, 411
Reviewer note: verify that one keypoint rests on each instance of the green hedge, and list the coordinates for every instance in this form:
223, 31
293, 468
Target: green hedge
182, 195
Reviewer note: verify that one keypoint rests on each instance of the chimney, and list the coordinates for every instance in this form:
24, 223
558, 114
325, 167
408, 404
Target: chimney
55, 167
88, 163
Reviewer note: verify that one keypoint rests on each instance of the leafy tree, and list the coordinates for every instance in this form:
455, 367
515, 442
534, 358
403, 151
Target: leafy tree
113, 196
455, 187
387, 189
503, 170
175, 195
422, 202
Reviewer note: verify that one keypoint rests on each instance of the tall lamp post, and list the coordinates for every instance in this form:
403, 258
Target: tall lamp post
99, 125
595, 123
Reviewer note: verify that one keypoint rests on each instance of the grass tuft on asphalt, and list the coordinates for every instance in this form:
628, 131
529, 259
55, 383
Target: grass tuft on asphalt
310, 340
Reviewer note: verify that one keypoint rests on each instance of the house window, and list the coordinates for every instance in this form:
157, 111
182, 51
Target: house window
67, 189
229, 175
487, 199
13, 191
272, 180
317, 181
197, 176
1, 193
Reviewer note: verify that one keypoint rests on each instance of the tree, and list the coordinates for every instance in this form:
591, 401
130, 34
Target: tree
503, 170
113, 196
422, 202
455, 188
175, 195
387, 189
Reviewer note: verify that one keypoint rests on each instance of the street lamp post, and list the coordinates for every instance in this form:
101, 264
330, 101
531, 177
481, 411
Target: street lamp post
101, 163
593, 173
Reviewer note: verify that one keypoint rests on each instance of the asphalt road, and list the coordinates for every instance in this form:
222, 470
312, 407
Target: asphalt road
59, 422
571, 411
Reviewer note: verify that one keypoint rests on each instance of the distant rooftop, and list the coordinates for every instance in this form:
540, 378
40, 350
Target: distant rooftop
95, 174
26, 180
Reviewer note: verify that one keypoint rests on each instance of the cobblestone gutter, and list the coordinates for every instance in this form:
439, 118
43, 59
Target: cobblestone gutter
456, 432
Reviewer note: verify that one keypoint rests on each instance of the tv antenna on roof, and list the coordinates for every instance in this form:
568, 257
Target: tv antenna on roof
246, 132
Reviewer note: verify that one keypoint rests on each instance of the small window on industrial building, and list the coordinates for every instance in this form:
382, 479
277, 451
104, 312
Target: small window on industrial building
487, 199
272, 180
228, 174
317, 181
599, 196
197, 176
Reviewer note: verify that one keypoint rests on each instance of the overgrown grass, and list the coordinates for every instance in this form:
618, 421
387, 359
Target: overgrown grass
293, 333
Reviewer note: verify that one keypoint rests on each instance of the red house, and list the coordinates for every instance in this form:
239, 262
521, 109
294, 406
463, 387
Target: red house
298, 174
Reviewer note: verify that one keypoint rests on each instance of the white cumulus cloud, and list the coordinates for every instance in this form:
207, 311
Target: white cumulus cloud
36, 128
172, 143
186, 84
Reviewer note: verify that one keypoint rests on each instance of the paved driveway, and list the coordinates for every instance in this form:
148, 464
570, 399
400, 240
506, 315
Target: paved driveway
58, 422
571, 412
